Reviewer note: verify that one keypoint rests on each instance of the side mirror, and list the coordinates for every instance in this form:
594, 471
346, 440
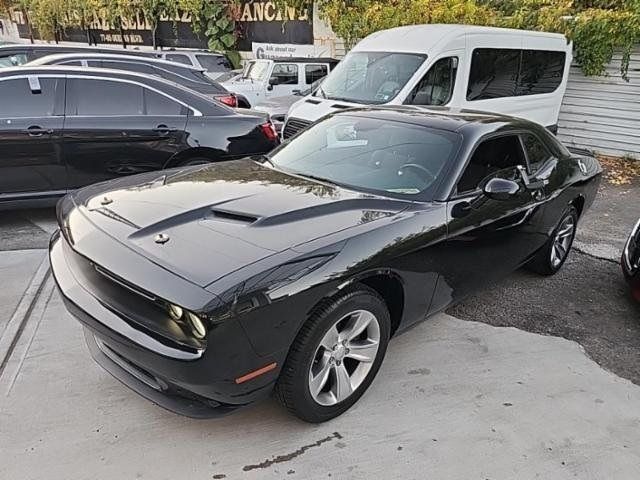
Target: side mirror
274, 81
501, 189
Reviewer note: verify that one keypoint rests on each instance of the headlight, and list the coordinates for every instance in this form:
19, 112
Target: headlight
175, 312
197, 326
189, 319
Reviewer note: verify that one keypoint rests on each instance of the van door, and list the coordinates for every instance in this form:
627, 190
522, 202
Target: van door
437, 86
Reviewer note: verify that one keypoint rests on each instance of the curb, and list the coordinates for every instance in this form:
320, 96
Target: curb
16, 324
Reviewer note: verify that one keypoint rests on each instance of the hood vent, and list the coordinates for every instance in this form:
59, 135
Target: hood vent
313, 102
232, 217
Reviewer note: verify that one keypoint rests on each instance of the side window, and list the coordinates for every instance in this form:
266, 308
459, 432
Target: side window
176, 57
537, 153
72, 63
436, 87
286, 73
129, 67
19, 101
214, 63
492, 157
541, 72
103, 98
13, 60
314, 72
493, 73
157, 104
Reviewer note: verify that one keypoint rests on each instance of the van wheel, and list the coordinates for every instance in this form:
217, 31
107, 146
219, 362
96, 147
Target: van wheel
335, 356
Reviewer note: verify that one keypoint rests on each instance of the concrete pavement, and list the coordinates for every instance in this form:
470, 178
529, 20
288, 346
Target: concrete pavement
453, 400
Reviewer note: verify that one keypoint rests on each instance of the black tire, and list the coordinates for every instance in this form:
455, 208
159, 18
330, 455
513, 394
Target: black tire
542, 263
190, 162
292, 388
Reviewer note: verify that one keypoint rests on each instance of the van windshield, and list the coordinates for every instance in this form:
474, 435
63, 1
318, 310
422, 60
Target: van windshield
370, 77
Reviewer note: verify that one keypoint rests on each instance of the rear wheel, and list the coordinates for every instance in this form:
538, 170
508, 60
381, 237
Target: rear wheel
336, 356
553, 255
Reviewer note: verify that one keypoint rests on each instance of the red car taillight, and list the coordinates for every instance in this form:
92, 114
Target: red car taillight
269, 131
229, 100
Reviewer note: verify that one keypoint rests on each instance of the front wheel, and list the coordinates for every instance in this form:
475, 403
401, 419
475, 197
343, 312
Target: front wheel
336, 356
555, 252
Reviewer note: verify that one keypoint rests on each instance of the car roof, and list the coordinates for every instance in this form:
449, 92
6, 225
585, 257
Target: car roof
423, 38
115, 56
441, 118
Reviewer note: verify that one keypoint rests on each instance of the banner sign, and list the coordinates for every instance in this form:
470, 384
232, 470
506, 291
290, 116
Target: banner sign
256, 21
275, 50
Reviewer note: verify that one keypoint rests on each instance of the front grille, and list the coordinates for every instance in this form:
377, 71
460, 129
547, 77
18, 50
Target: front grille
131, 303
293, 126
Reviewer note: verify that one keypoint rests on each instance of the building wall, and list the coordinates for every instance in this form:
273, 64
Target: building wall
603, 113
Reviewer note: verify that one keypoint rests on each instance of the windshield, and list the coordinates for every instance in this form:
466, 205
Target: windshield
370, 154
256, 70
370, 77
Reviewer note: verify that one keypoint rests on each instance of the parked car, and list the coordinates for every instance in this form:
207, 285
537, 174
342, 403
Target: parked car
513, 72
203, 288
65, 127
213, 63
188, 77
18, 54
278, 107
263, 79
631, 261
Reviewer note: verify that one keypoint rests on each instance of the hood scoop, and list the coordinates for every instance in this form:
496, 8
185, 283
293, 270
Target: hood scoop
232, 217
313, 102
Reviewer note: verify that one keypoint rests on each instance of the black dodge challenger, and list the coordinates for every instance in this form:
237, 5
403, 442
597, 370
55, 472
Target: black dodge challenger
204, 288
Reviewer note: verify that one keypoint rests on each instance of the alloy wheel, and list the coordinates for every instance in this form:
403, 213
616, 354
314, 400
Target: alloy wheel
344, 357
562, 241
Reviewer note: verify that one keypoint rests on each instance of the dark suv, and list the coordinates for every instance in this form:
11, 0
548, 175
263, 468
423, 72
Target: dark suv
65, 127
187, 76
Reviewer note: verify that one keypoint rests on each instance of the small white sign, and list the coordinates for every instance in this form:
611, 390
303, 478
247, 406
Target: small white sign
276, 50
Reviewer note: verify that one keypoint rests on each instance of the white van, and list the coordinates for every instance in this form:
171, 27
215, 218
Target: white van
513, 72
263, 79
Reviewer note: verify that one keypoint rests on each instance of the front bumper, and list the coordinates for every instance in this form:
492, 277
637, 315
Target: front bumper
195, 383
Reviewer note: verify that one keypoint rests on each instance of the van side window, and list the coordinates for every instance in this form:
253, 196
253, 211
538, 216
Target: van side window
541, 72
314, 72
287, 74
497, 73
494, 156
537, 153
436, 87
493, 74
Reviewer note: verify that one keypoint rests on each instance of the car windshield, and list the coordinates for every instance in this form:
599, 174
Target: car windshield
214, 63
256, 70
370, 77
370, 154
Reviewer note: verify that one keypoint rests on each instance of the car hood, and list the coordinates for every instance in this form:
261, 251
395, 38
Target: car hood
203, 223
279, 104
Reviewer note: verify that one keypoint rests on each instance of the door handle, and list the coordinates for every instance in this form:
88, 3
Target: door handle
163, 129
36, 131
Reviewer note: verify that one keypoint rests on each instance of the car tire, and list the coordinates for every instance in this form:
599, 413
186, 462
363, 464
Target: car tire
552, 256
313, 357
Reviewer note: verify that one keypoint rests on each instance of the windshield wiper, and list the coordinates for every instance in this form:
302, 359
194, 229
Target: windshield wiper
318, 178
321, 91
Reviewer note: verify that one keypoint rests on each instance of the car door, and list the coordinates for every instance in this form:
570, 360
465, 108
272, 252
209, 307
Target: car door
284, 79
118, 127
31, 122
488, 238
